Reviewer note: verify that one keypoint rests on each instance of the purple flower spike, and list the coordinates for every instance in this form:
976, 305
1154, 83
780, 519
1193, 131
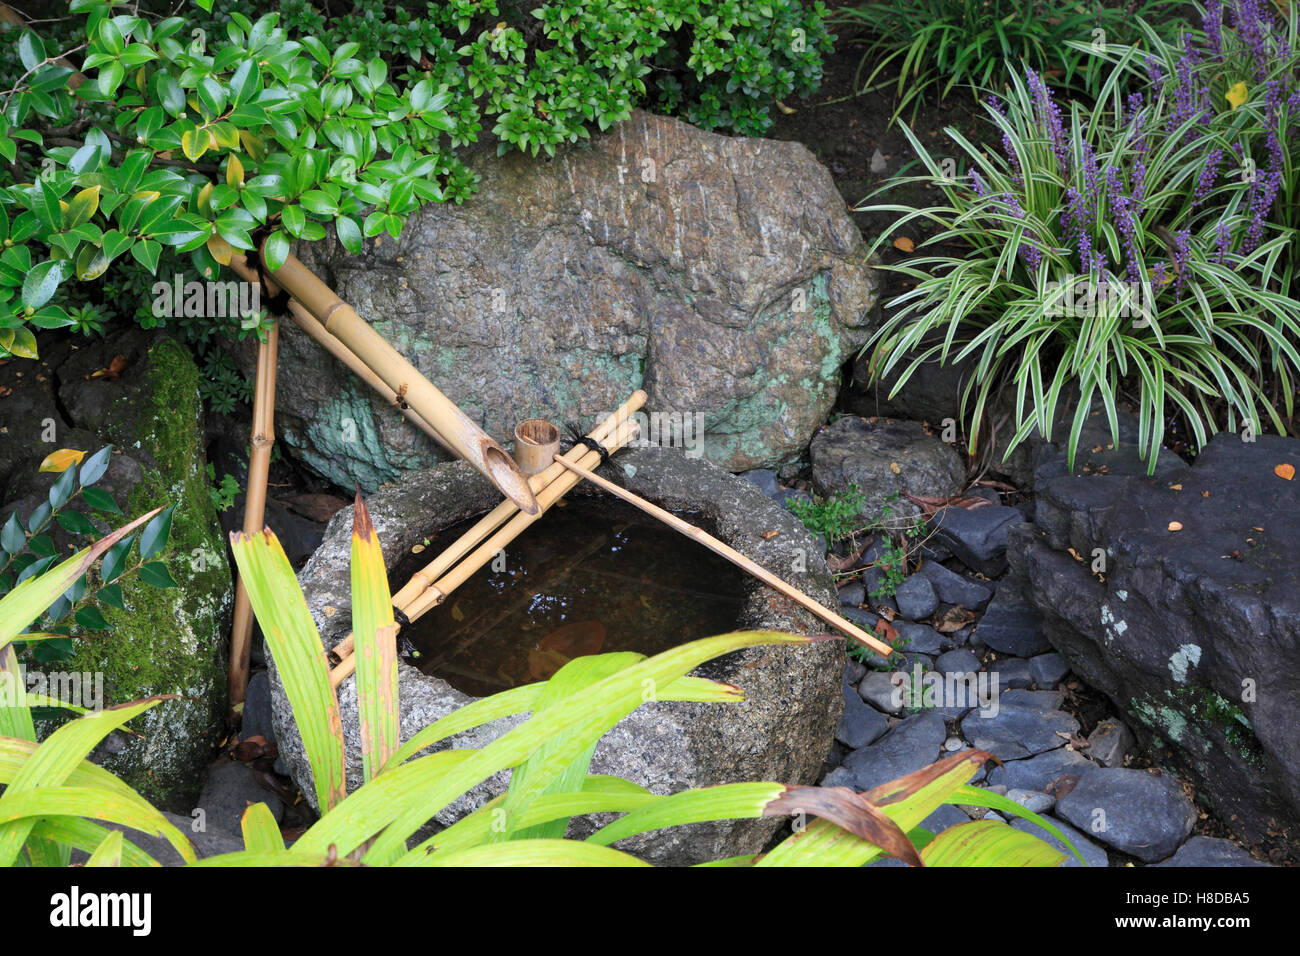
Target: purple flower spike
1121, 213
1182, 256
1251, 24
1222, 239
1212, 24
1028, 249
1049, 118
1155, 73
1209, 172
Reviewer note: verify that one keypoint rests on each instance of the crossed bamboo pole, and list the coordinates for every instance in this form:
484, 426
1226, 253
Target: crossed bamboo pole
430, 586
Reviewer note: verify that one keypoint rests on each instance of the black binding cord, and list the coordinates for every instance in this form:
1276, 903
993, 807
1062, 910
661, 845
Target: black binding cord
400, 617
589, 442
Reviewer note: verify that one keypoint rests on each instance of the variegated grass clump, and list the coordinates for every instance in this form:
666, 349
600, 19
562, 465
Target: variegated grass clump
1169, 208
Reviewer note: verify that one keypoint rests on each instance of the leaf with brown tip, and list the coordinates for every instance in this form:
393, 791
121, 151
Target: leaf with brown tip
848, 811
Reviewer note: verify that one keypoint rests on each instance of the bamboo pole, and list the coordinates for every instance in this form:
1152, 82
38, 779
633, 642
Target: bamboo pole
307, 322
506, 510
259, 466
735, 557
434, 594
457, 429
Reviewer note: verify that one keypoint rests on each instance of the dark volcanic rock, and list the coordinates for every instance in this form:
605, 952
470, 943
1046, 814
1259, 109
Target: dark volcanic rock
1018, 730
228, 791
1036, 773
954, 588
915, 598
910, 745
1011, 624
1109, 742
1048, 670
1210, 851
1199, 650
1143, 815
977, 536
919, 638
860, 725
884, 457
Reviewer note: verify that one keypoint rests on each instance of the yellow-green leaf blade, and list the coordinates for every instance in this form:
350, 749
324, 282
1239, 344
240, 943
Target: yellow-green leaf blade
28, 600
261, 832
989, 843
109, 852
375, 636
730, 801
52, 762
295, 644
535, 853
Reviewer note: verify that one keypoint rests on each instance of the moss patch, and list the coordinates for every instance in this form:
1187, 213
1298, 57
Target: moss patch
169, 642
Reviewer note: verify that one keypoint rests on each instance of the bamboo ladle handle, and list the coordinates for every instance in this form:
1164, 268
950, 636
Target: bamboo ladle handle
735, 557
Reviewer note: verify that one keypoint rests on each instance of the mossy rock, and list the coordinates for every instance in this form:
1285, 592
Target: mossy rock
170, 641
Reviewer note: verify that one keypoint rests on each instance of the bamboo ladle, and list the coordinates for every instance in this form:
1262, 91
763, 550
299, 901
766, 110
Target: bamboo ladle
735, 557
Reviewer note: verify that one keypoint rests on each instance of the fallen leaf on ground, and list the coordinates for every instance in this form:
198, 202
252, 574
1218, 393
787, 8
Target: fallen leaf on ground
893, 466
904, 244
250, 748
848, 561
114, 369
1176, 487
953, 619
885, 631
931, 506
769, 535
1175, 526
1062, 785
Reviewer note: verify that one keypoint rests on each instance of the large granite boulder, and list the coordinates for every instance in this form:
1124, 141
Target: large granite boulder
781, 731
1181, 602
723, 275
167, 641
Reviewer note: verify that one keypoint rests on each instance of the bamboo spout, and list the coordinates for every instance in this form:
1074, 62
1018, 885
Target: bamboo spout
457, 430
308, 323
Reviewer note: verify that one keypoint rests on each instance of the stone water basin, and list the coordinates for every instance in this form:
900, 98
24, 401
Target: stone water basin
781, 731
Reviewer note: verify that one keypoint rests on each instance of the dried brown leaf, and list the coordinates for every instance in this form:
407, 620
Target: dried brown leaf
953, 619
849, 561
931, 506
848, 811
